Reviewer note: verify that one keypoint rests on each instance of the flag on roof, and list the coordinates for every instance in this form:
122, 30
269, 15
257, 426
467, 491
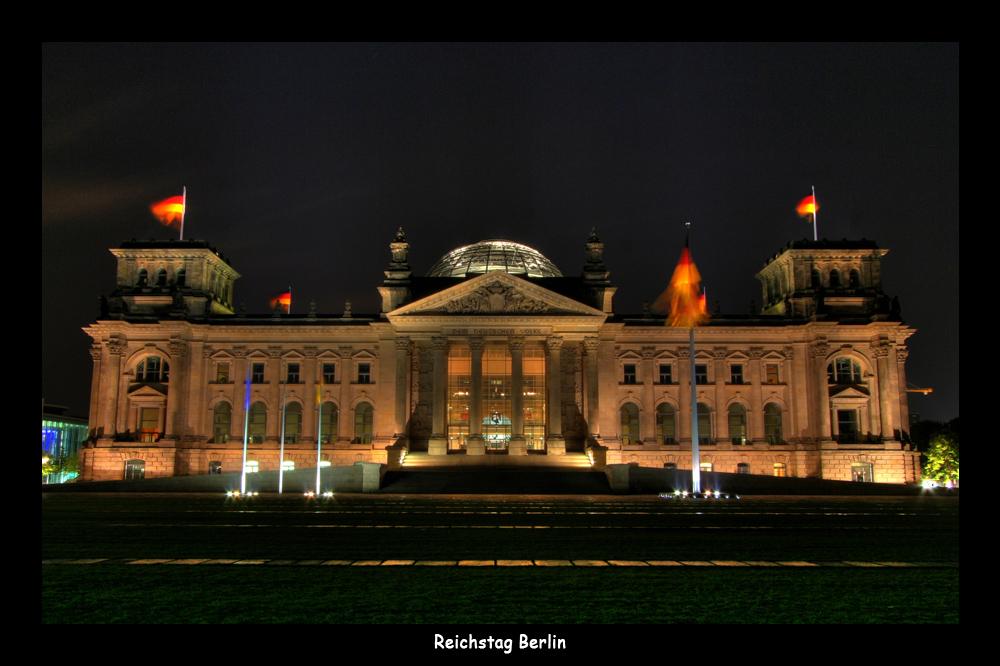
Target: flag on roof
687, 307
808, 206
170, 211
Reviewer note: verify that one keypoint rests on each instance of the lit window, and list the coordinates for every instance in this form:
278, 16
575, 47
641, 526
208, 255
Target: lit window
862, 472
222, 422
736, 373
152, 369
257, 373
665, 425
364, 373
258, 423
215, 467
737, 424
288, 466
780, 469
772, 423
252, 467
701, 373
630, 424
706, 467
149, 424
292, 377
364, 419
328, 423
630, 376
666, 373
222, 373
293, 423
135, 469
771, 372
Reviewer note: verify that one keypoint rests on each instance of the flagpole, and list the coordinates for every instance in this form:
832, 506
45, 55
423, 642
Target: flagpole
246, 429
319, 426
695, 451
184, 201
815, 208
288, 310
281, 454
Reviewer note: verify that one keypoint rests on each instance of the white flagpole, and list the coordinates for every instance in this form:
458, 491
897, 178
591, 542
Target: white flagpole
695, 449
815, 208
184, 205
281, 454
319, 435
246, 429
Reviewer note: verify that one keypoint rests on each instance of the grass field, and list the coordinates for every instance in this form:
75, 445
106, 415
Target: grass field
818, 530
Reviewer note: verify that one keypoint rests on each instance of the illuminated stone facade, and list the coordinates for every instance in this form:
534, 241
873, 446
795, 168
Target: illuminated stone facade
495, 352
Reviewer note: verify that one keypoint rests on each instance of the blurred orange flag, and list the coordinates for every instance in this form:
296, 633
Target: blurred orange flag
169, 211
285, 299
687, 306
807, 206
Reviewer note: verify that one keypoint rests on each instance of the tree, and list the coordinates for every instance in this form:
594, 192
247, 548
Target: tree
942, 458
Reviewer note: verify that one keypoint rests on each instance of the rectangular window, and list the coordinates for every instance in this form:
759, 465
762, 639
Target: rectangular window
701, 373
222, 373
847, 424
666, 373
771, 370
630, 376
293, 374
329, 373
257, 373
736, 373
364, 373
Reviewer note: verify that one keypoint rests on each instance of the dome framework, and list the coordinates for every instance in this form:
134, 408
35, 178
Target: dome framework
494, 255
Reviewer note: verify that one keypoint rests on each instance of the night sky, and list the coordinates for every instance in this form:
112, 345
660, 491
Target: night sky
302, 161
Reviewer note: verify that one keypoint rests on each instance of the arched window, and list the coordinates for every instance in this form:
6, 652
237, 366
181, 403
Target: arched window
181, 277
143, 278
854, 278
743, 468
737, 424
215, 467
152, 369
364, 420
666, 431
293, 423
844, 371
704, 424
328, 422
161, 278
135, 469
222, 421
815, 279
630, 424
834, 279
258, 423
772, 423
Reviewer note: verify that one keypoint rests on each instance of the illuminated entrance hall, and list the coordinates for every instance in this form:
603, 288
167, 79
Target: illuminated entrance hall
496, 396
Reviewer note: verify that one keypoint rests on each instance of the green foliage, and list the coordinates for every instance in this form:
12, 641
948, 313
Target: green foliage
48, 463
942, 457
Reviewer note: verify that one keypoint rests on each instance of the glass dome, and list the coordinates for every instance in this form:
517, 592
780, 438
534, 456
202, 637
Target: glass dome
494, 255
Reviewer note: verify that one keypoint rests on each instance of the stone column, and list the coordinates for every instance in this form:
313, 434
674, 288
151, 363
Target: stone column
819, 353
555, 444
904, 405
648, 414
682, 421
886, 390
517, 446
438, 444
755, 431
311, 372
94, 415
176, 388
476, 445
591, 344
241, 361
116, 350
345, 415
274, 371
402, 365
720, 429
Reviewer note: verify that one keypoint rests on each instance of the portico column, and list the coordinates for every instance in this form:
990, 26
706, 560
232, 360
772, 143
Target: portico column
275, 368
819, 354
517, 446
310, 378
476, 446
345, 416
402, 365
885, 390
116, 355
683, 420
555, 445
438, 444
756, 417
593, 389
178, 381
648, 415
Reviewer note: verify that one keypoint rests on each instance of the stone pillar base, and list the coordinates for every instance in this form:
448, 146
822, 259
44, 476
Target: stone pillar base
475, 446
517, 446
555, 446
437, 446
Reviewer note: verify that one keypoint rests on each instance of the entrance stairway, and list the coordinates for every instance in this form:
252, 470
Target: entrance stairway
496, 473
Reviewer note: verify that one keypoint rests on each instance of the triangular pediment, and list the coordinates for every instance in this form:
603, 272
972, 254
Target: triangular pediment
492, 294
844, 392
154, 391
